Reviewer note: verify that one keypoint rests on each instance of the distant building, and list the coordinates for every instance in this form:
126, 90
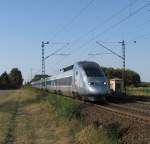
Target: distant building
116, 85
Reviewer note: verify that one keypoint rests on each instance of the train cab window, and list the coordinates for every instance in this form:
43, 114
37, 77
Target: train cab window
93, 71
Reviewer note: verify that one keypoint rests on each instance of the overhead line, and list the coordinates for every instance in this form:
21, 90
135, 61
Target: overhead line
55, 52
124, 19
107, 20
116, 24
73, 19
141, 36
109, 50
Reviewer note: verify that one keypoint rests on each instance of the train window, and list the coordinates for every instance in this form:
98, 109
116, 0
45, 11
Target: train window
93, 71
64, 81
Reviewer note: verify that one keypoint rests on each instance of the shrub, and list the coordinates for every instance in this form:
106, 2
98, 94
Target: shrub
65, 107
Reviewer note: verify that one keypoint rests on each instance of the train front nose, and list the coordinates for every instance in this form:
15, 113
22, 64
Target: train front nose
98, 88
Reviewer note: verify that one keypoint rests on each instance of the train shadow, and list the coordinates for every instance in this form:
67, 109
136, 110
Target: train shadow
127, 99
122, 99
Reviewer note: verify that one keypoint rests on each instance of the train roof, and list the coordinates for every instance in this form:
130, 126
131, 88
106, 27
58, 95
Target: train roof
62, 75
68, 71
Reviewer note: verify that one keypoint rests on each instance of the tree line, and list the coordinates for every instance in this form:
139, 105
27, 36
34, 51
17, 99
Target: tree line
13, 80
131, 77
38, 77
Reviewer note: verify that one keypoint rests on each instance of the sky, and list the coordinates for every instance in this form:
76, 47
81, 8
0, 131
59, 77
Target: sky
72, 27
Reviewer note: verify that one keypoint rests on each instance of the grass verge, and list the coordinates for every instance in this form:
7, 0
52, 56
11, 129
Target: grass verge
68, 112
25, 118
138, 91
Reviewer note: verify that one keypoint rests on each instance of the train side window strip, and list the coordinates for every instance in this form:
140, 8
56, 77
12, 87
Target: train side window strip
60, 82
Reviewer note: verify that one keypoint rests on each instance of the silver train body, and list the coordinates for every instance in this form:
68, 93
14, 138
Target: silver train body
83, 79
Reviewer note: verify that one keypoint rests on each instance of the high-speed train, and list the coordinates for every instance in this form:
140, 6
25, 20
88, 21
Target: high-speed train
84, 79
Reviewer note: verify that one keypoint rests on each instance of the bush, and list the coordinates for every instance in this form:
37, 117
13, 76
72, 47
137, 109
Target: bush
65, 107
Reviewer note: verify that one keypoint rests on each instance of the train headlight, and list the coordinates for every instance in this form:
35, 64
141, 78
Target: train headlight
91, 83
105, 83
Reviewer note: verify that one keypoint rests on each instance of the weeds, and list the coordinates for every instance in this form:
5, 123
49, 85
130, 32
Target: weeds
25, 117
69, 111
65, 107
98, 135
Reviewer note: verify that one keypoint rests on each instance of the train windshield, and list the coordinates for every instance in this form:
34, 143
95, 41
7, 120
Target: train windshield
93, 71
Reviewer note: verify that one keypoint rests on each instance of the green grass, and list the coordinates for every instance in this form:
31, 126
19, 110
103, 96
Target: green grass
138, 91
69, 111
65, 107
93, 135
26, 117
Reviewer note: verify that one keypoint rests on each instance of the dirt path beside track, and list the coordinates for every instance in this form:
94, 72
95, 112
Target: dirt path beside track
25, 118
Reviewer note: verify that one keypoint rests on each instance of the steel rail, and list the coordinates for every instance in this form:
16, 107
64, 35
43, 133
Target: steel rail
137, 117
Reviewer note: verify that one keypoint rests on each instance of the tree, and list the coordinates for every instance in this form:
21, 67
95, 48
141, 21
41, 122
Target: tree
38, 77
16, 79
132, 78
4, 81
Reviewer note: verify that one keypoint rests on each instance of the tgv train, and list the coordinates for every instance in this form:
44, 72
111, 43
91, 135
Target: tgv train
84, 79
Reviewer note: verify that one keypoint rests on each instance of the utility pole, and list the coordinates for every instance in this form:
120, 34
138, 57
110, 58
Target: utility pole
44, 58
123, 66
121, 57
43, 64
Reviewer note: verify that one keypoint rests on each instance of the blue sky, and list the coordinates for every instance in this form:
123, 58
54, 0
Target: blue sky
25, 23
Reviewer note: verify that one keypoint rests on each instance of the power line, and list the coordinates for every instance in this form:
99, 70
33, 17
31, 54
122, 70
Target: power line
56, 51
123, 58
109, 50
122, 20
73, 19
115, 25
107, 20
95, 54
141, 36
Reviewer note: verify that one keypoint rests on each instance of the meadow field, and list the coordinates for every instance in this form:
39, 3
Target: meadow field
138, 91
25, 118
29, 116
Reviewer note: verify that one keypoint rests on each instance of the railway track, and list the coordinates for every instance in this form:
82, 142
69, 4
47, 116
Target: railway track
124, 112
137, 110
131, 108
136, 114
144, 103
